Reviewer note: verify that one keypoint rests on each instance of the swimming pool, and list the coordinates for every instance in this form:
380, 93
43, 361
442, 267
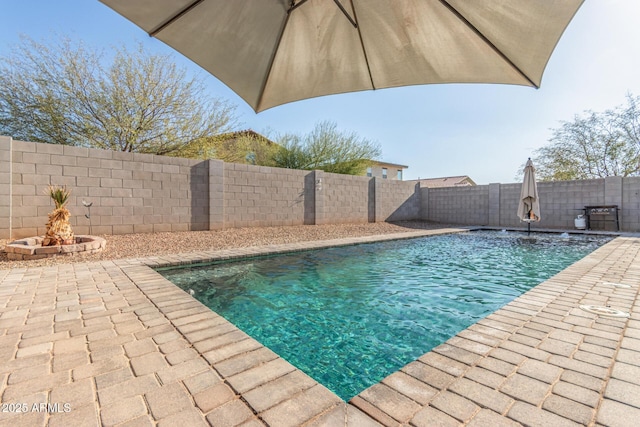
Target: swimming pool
350, 316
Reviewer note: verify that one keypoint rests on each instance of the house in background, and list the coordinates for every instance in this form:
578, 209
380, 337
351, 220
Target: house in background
448, 181
250, 147
386, 171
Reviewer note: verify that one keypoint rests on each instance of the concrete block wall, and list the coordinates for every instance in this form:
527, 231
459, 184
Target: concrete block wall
494, 205
630, 211
457, 205
424, 203
344, 198
5, 186
396, 200
216, 194
560, 203
130, 192
507, 207
134, 193
259, 196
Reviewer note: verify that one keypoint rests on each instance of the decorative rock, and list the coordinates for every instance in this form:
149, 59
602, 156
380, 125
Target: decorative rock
32, 248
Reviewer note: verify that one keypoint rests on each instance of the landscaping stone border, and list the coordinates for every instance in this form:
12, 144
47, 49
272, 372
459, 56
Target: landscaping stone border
31, 248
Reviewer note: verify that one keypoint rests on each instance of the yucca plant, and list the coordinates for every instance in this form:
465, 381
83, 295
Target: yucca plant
59, 230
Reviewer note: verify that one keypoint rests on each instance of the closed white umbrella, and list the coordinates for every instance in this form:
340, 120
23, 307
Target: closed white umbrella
529, 205
271, 52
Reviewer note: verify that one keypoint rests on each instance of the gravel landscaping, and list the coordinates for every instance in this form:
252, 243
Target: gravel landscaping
150, 244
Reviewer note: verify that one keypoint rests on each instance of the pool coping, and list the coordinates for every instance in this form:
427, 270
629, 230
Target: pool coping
382, 402
299, 408
537, 360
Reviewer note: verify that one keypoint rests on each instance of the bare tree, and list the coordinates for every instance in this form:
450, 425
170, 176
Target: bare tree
594, 145
628, 119
66, 93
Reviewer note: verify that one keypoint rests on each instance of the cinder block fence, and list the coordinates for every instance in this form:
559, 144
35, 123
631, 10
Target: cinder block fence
142, 193
560, 202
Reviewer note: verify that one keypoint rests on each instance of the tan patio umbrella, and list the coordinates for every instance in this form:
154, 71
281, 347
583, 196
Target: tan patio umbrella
529, 206
271, 52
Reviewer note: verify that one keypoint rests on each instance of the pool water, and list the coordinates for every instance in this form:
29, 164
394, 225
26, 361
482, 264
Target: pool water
350, 316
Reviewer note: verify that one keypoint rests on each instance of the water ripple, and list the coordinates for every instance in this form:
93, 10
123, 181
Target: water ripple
350, 316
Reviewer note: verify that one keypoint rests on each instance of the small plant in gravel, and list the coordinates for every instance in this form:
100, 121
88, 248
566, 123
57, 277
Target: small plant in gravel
59, 230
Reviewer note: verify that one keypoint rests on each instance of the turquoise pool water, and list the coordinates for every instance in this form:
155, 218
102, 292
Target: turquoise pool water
350, 316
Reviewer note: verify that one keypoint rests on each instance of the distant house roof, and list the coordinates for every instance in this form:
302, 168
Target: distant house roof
387, 164
447, 181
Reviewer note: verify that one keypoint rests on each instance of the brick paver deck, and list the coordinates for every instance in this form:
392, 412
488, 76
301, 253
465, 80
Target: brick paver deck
114, 343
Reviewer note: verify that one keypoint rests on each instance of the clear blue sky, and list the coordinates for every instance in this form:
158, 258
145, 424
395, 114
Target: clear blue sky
484, 131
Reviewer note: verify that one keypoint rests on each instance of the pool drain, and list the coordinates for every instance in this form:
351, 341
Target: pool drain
617, 285
604, 311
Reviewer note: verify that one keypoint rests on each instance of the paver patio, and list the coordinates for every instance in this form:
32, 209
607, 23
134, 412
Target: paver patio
114, 343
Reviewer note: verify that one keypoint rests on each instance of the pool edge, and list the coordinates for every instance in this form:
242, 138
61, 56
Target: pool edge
465, 346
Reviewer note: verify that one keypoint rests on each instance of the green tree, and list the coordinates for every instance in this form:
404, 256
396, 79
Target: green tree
593, 145
328, 149
130, 100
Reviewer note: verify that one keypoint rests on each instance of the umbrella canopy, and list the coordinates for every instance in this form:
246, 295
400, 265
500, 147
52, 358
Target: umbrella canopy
529, 206
271, 52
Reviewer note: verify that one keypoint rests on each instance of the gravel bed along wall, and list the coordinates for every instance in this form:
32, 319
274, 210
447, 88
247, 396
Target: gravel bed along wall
150, 244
